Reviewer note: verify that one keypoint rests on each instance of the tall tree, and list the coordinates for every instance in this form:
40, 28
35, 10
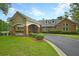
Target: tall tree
74, 11
66, 14
60, 17
4, 7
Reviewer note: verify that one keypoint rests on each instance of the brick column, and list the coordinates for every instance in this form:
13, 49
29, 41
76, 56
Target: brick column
26, 30
13, 31
40, 28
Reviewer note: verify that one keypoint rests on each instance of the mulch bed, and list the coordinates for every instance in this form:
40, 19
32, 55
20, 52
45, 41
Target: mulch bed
37, 40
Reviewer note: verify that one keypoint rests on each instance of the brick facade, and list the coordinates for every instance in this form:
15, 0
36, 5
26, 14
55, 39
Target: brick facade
71, 25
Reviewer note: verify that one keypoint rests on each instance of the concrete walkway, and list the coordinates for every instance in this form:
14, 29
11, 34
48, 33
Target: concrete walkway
69, 46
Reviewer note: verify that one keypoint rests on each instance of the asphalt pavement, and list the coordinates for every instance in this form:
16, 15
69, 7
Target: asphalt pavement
68, 45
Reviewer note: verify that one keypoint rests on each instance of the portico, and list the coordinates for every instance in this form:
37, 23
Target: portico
23, 25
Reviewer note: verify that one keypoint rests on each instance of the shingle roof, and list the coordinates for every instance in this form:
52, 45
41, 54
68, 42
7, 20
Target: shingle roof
50, 22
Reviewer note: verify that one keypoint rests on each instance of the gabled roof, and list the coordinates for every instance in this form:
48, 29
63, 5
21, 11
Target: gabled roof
73, 21
24, 16
57, 21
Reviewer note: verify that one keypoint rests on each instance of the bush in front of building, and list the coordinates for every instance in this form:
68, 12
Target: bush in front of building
37, 36
60, 32
54, 32
77, 30
32, 35
69, 33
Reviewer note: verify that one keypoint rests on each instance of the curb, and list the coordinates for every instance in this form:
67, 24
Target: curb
58, 50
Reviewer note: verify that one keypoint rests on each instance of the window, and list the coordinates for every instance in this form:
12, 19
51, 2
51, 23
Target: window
46, 21
65, 28
49, 21
52, 21
20, 28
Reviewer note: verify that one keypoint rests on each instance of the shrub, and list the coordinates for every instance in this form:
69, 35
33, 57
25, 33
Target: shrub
34, 35
60, 32
37, 36
77, 30
68, 32
54, 32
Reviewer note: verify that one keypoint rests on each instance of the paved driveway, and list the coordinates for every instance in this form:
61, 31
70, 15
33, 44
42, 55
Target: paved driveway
69, 46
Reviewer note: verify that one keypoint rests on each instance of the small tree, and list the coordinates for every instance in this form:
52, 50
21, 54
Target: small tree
4, 7
4, 26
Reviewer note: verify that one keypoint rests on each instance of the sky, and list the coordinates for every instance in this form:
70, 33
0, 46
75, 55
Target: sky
37, 11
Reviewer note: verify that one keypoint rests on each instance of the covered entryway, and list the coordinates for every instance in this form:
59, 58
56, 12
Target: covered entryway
33, 28
23, 25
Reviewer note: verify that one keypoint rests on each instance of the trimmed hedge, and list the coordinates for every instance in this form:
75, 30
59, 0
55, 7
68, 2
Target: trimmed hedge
59, 32
55, 32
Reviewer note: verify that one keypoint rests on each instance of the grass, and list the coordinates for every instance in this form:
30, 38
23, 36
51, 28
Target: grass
24, 46
68, 36
74, 36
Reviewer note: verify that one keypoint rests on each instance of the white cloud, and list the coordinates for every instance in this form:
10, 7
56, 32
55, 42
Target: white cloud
70, 18
36, 12
11, 11
61, 8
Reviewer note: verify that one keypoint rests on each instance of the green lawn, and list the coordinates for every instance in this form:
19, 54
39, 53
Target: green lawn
72, 36
68, 36
24, 46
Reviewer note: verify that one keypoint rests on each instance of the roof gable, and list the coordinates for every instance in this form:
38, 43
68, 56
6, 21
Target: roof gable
15, 15
68, 20
23, 16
